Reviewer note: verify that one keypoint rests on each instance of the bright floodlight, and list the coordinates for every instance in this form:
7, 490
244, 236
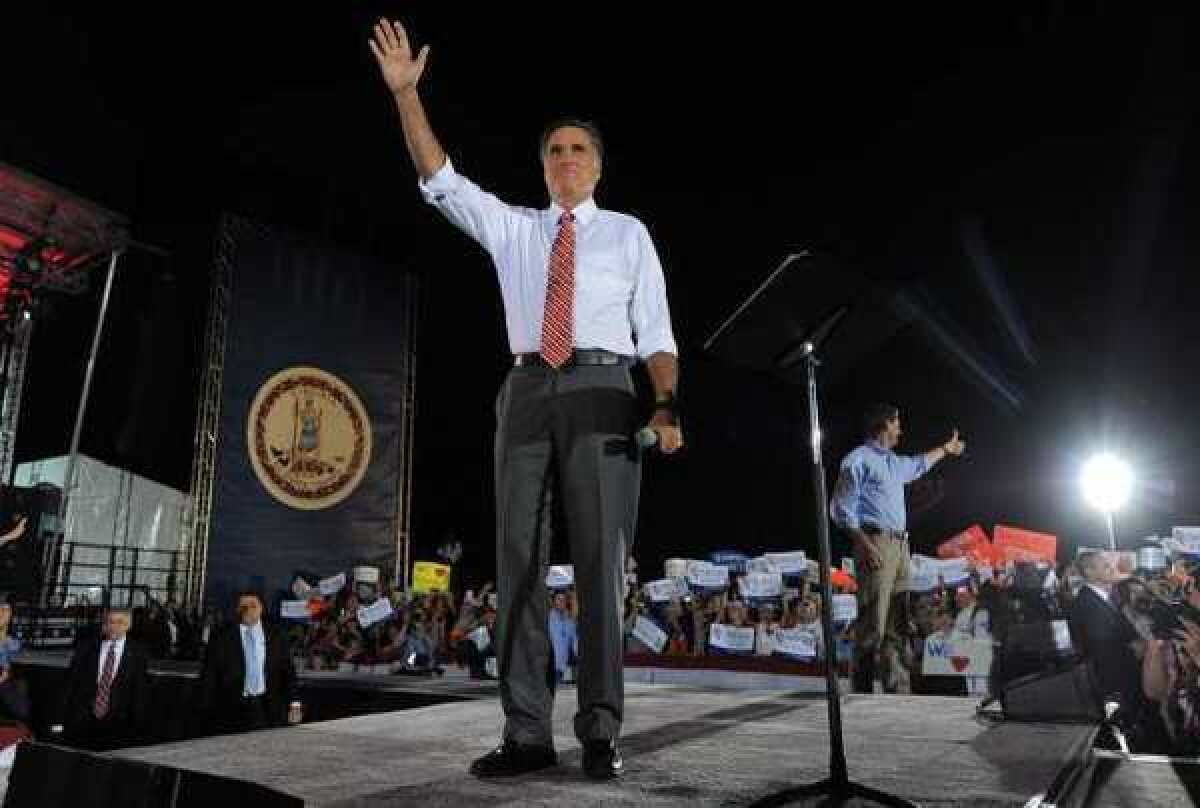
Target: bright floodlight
1107, 482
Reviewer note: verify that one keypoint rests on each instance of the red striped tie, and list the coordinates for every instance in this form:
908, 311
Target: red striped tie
558, 317
100, 709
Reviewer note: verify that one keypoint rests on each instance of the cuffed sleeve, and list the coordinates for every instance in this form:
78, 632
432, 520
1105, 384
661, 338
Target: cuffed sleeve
911, 467
649, 312
843, 506
476, 212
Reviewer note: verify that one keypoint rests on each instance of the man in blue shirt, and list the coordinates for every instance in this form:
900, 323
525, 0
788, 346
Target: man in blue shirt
868, 504
564, 638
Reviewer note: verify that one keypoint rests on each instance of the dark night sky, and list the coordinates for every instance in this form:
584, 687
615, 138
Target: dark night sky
1026, 179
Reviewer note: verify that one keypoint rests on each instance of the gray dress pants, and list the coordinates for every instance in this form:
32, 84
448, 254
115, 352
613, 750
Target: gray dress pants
563, 442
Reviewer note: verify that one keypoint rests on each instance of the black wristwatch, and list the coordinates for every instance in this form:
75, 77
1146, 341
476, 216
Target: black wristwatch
668, 404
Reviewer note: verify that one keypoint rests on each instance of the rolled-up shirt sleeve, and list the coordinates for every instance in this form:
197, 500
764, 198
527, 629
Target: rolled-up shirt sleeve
843, 506
649, 312
476, 212
911, 467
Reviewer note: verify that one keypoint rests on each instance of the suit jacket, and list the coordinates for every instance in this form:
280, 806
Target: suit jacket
1104, 635
129, 695
224, 676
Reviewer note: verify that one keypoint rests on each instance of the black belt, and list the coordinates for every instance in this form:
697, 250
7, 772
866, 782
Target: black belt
899, 535
523, 360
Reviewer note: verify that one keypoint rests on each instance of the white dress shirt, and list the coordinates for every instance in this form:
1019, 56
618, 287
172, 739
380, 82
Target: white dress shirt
620, 293
254, 634
1103, 594
120, 651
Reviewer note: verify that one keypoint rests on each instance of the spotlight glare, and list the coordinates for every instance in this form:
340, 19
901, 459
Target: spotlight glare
1107, 482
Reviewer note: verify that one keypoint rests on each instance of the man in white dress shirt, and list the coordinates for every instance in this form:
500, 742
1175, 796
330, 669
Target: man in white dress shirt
584, 300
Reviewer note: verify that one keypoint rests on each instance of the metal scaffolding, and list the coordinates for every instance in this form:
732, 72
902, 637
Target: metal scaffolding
194, 554
14, 357
407, 431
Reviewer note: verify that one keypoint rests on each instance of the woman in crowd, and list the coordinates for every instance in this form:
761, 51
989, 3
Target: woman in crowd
14, 694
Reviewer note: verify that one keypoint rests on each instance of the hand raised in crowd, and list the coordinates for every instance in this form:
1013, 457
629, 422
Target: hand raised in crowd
390, 45
955, 446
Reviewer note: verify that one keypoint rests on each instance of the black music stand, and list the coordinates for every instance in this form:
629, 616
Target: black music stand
779, 329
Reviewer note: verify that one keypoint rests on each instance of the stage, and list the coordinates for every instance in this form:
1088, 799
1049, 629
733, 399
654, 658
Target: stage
682, 745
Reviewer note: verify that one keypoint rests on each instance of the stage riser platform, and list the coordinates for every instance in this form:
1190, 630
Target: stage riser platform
683, 746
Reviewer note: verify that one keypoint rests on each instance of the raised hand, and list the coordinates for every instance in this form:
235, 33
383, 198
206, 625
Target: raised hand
390, 45
955, 446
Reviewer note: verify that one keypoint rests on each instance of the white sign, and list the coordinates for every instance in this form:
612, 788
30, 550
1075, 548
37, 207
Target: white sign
954, 570
1062, 635
761, 585
331, 586
800, 643
649, 634
707, 576
381, 609
794, 563
848, 566
481, 637
665, 589
675, 568
560, 576
735, 639
294, 610
491, 668
762, 564
845, 608
366, 575
923, 572
1187, 539
956, 657
1185, 533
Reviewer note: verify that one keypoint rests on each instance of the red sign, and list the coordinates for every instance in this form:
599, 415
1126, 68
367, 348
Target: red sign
1017, 544
965, 544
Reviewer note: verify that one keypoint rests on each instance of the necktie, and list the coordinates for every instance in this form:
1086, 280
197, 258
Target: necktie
558, 318
104, 688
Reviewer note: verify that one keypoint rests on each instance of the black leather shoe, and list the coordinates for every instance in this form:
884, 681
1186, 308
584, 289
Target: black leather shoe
510, 759
602, 760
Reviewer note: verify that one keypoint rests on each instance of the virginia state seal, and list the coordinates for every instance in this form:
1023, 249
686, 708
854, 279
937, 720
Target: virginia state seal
309, 438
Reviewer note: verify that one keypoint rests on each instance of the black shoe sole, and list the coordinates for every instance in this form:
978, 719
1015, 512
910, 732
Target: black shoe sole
476, 771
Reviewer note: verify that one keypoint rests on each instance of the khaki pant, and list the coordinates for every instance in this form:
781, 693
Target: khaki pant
877, 636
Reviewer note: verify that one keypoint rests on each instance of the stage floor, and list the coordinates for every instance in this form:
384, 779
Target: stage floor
683, 746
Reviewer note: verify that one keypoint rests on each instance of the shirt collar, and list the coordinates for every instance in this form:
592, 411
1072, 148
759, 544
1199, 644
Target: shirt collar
873, 443
1099, 591
584, 212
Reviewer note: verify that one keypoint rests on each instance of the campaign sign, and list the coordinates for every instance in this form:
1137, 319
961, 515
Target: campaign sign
333, 585
797, 643
731, 639
560, 576
956, 657
649, 634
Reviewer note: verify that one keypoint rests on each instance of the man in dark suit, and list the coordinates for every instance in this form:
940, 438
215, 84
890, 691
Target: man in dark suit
1104, 634
108, 693
249, 681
